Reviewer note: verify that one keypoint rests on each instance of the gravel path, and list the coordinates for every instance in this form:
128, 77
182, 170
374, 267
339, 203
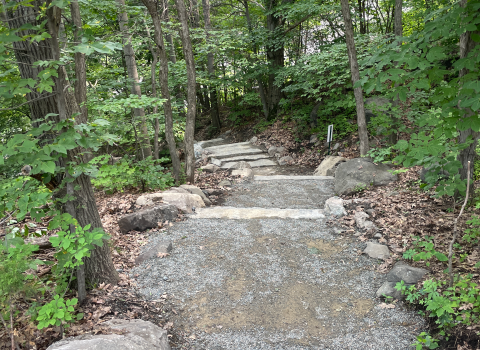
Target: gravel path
271, 283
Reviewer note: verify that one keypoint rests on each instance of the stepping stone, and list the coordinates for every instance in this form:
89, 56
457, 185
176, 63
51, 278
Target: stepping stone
211, 143
287, 177
247, 158
256, 213
254, 164
233, 149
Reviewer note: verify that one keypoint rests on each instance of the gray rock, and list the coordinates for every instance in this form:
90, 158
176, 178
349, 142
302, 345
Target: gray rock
334, 206
244, 173
388, 289
210, 168
241, 165
224, 183
370, 212
216, 161
325, 167
377, 235
337, 146
254, 139
280, 149
183, 201
140, 335
361, 173
197, 149
176, 190
160, 247
313, 139
360, 218
406, 273
377, 251
147, 218
195, 190
285, 160
214, 191
272, 150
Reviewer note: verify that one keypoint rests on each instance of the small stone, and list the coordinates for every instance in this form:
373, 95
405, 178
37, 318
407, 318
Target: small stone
210, 168
337, 146
406, 273
377, 251
246, 173
254, 139
280, 149
224, 183
370, 212
285, 160
334, 206
378, 235
313, 139
272, 150
160, 247
388, 289
165, 278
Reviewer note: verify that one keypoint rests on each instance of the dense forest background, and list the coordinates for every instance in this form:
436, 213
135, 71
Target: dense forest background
114, 93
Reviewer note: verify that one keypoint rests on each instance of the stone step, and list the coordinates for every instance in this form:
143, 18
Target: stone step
256, 213
247, 158
288, 177
212, 143
233, 150
254, 164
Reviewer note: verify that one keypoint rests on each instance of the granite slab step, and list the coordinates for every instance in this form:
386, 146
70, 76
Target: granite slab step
255, 213
254, 164
233, 150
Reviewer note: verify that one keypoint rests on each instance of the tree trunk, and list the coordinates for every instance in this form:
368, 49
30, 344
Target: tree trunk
398, 30
99, 267
172, 56
467, 44
352, 58
275, 56
151, 6
133, 76
154, 51
191, 92
216, 124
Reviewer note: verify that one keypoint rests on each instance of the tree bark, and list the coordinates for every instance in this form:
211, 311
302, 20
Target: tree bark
467, 44
352, 58
99, 267
216, 124
154, 52
191, 92
133, 76
151, 6
275, 56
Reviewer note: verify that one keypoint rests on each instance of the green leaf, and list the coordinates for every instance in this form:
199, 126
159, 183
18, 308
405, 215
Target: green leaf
8, 37
435, 53
440, 256
48, 167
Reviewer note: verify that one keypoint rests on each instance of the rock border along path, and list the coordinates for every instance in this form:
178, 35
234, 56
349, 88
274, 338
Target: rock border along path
269, 271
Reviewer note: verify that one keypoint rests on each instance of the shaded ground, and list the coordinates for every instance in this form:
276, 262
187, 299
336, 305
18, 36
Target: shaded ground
274, 283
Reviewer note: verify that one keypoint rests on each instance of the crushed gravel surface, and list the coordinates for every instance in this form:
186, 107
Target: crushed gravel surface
274, 283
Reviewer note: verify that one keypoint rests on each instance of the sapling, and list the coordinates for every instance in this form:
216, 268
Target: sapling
454, 238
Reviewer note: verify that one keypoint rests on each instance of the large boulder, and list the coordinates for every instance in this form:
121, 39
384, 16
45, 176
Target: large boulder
139, 335
195, 190
178, 197
328, 166
147, 218
360, 173
400, 272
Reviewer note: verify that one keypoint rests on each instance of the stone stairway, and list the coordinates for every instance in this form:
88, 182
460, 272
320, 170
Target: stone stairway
225, 155
268, 270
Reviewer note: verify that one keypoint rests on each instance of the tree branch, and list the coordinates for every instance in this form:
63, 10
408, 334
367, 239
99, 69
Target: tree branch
20, 105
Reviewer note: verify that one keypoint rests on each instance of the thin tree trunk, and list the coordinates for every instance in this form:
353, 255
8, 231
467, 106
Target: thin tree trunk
211, 69
467, 44
154, 51
99, 267
151, 6
398, 34
133, 76
352, 58
191, 92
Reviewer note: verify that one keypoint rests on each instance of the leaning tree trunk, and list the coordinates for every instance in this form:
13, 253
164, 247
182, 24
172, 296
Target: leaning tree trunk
352, 58
191, 92
133, 76
151, 6
211, 70
467, 44
99, 267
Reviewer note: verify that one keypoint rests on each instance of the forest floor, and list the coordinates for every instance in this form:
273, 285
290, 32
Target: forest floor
403, 211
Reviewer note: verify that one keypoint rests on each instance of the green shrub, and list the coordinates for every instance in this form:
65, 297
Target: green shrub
148, 174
